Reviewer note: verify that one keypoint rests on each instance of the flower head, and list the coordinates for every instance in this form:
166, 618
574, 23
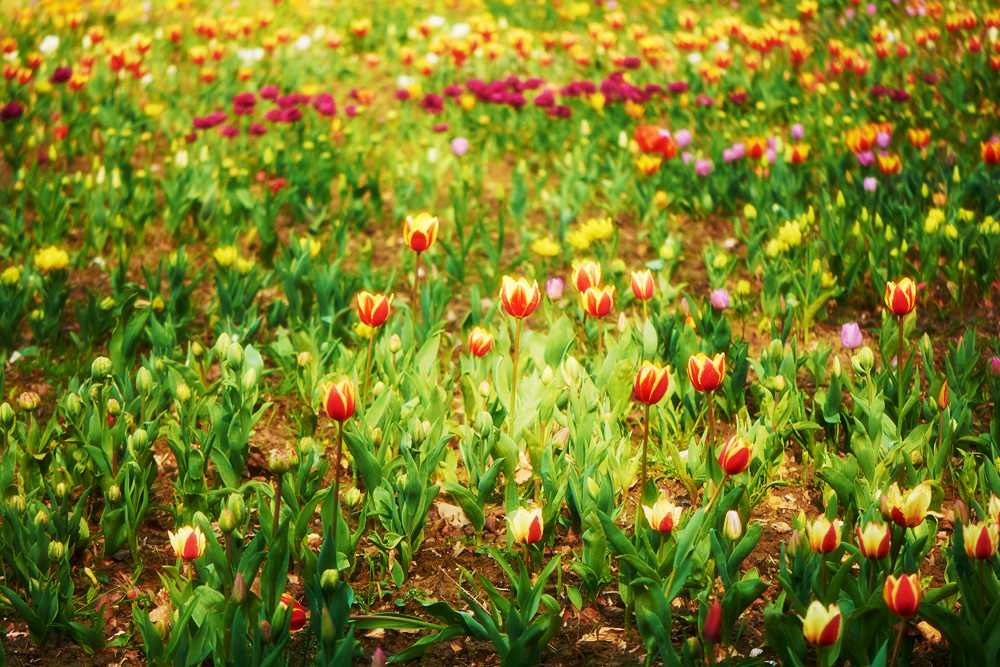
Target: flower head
518, 297
821, 626
480, 342
599, 302
420, 231
642, 284
298, 612
824, 535
188, 542
51, 258
874, 541
902, 594
586, 275
651, 384
907, 511
373, 309
339, 400
526, 525
663, 516
980, 539
850, 335
734, 457
706, 373
720, 299
901, 298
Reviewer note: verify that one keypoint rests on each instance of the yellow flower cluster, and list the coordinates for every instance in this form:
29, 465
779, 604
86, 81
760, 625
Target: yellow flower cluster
592, 231
790, 234
51, 259
545, 247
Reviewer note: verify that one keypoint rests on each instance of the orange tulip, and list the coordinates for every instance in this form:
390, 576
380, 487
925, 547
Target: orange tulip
420, 231
339, 400
651, 384
649, 139
799, 153
889, 164
901, 298
298, 612
902, 594
919, 138
480, 342
586, 275
642, 284
735, 455
519, 298
756, 147
599, 302
990, 151
706, 373
874, 541
373, 309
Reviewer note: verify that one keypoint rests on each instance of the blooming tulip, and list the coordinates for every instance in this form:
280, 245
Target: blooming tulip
586, 275
651, 384
420, 231
902, 594
874, 541
298, 612
824, 535
663, 516
735, 455
526, 526
373, 309
598, 302
910, 511
339, 400
901, 298
188, 542
707, 373
642, 284
980, 539
821, 626
480, 342
519, 298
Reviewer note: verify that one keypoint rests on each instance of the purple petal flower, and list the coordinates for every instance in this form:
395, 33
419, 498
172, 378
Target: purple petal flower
850, 336
995, 365
870, 184
683, 139
702, 167
459, 146
554, 288
720, 299
798, 132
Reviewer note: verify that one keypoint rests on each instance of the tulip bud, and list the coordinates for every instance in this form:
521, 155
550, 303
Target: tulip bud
547, 375
61, 491
484, 423
942, 398
864, 360
777, 383
962, 512
100, 369
733, 527
114, 407
7, 417
114, 493
234, 356
265, 630
29, 401
572, 371
41, 519
593, 488
183, 393
162, 626
377, 435
237, 507
306, 447
622, 322
239, 589
378, 389
775, 351
329, 580
249, 381
793, 543
278, 463
352, 498
695, 647
140, 439
484, 389
837, 370
56, 550
395, 343
227, 521
304, 359
329, 632
197, 351
222, 344
712, 628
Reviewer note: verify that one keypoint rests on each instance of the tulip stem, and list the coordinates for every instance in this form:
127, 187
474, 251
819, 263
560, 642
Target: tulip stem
642, 486
416, 293
598, 361
708, 507
277, 507
899, 378
336, 484
711, 414
899, 640
513, 374
368, 370
822, 568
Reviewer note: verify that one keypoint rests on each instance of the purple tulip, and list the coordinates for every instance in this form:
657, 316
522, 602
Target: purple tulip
459, 146
61, 75
728, 155
995, 365
702, 167
871, 9
739, 150
686, 157
798, 132
683, 138
850, 336
720, 299
870, 184
866, 158
11, 110
771, 154
554, 288
882, 139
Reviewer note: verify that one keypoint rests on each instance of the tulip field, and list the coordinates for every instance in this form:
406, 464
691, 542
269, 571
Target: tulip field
499, 333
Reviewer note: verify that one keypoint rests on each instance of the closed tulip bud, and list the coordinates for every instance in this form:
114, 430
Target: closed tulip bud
712, 628
942, 397
980, 539
234, 356
140, 440
114, 407
227, 521
162, 626
735, 455
572, 371
902, 594
593, 488
864, 360
41, 519
222, 343
642, 284
901, 298
329, 580
485, 389
304, 359
962, 511
265, 630
651, 384
114, 493
775, 351
377, 436
378, 389
694, 646
237, 506
395, 343
793, 543
824, 535
837, 369
29, 401
526, 526
378, 658
183, 393
874, 541
821, 626
249, 381
484, 423
777, 383
197, 351
352, 499
17, 503
7, 417
61, 491
239, 589
100, 369
56, 550
706, 373
327, 629
732, 529
278, 463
